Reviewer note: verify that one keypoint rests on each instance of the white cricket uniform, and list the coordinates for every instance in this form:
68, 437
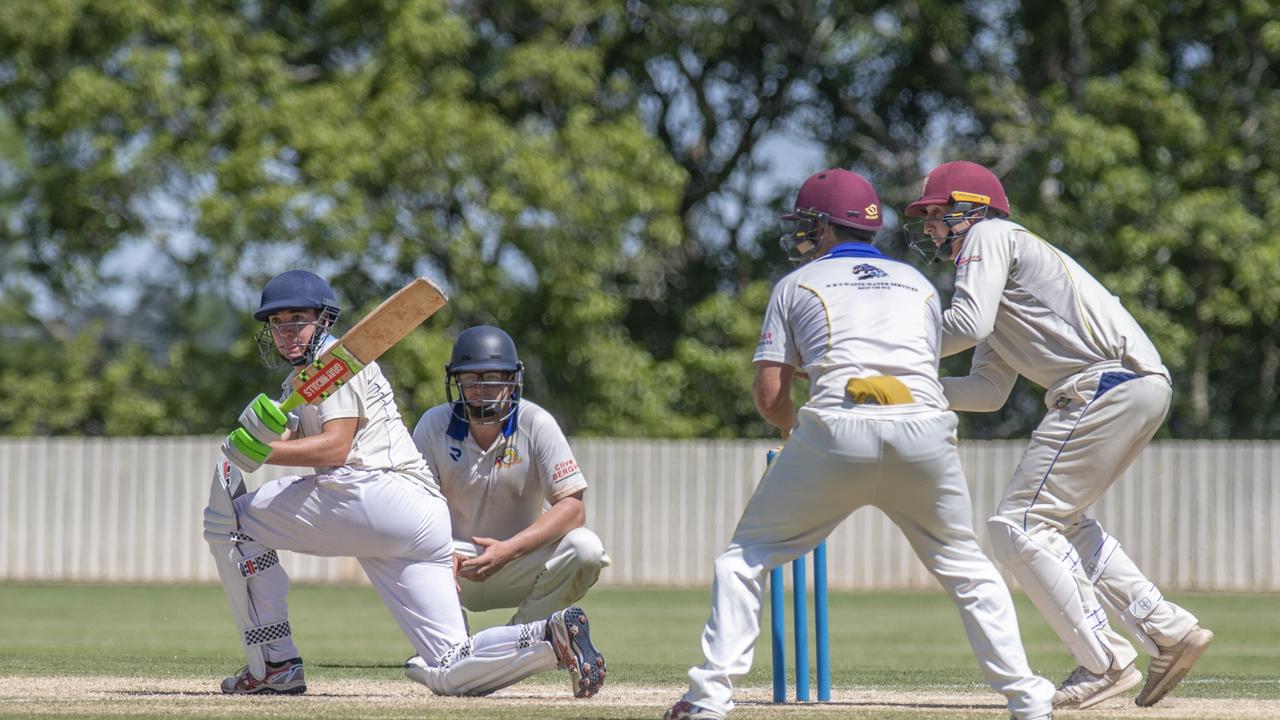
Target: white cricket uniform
1030, 309
384, 508
499, 491
854, 313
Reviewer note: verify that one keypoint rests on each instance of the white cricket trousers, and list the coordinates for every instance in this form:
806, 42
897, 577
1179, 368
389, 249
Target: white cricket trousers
903, 460
396, 527
1098, 422
549, 578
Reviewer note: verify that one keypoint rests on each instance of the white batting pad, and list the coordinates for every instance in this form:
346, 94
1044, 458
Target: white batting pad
221, 531
1138, 611
1046, 576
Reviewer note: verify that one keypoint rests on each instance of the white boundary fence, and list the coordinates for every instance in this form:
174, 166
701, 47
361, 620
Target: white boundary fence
1193, 514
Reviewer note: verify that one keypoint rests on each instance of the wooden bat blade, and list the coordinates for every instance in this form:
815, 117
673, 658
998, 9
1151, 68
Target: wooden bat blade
387, 325
391, 321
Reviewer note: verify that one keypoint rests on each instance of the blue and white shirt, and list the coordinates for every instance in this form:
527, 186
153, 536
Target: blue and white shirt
499, 491
855, 313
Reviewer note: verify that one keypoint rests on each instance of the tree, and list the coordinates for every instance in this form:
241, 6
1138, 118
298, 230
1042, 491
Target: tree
596, 177
371, 142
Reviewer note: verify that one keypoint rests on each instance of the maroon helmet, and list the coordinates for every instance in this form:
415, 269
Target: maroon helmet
967, 192
834, 196
960, 181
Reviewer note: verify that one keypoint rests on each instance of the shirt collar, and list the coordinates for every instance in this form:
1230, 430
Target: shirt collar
853, 249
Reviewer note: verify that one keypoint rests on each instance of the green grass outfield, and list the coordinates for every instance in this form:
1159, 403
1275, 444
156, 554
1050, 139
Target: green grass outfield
904, 644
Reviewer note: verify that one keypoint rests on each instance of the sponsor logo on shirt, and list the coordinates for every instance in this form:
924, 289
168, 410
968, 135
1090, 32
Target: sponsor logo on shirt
868, 272
962, 261
455, 453
510, 457
564, 470
766, 338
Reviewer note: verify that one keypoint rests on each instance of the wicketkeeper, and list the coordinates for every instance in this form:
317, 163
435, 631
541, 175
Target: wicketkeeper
1028, 308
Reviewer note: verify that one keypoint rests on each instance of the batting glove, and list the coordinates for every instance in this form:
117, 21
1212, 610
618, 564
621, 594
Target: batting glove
244, 450
263, 419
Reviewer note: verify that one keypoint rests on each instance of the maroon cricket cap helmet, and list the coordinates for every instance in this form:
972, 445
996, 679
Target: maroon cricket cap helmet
960, 181
846, 197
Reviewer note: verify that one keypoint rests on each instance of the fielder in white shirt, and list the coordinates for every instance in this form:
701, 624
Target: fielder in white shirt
371, 497
514, 489
875, 431
1028, 308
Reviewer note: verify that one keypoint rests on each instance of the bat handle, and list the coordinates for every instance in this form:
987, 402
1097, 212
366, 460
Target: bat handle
293, 402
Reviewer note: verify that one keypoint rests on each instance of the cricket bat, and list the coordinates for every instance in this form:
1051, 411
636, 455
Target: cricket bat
387, 325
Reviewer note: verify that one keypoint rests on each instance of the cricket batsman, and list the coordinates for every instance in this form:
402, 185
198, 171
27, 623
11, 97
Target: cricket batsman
1028, 308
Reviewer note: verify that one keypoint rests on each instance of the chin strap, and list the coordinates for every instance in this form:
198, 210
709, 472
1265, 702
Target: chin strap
485, 414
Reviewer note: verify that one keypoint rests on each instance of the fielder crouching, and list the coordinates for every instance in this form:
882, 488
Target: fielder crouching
371, 497
514, 489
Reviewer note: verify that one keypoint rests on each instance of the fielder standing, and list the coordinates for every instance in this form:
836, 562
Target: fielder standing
1032, 310
514, 489
875, 431
371, 497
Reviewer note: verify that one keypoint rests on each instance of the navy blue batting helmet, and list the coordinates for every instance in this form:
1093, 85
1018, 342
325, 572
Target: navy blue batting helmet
487, 374
483, 347
295, 290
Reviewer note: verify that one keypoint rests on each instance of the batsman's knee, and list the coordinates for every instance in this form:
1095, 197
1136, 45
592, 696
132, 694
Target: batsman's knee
219, 526
438, 676
417, 670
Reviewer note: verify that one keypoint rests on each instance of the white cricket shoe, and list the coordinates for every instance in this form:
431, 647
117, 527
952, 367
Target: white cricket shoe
570, 637
284, 679
1172, 664
1083, 688
685, 710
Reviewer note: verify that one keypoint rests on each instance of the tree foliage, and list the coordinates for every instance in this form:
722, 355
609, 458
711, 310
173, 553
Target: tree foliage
602, 178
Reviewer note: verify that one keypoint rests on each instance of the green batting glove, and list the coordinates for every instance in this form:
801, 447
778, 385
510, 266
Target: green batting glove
246, 451
263, 419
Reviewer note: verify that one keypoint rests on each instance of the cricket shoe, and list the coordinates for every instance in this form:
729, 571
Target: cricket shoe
284, 678
685, 710
570, 637
1172, 664
1084, 688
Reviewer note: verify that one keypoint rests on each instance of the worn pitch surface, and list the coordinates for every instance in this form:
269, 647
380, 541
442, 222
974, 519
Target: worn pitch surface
138, 697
